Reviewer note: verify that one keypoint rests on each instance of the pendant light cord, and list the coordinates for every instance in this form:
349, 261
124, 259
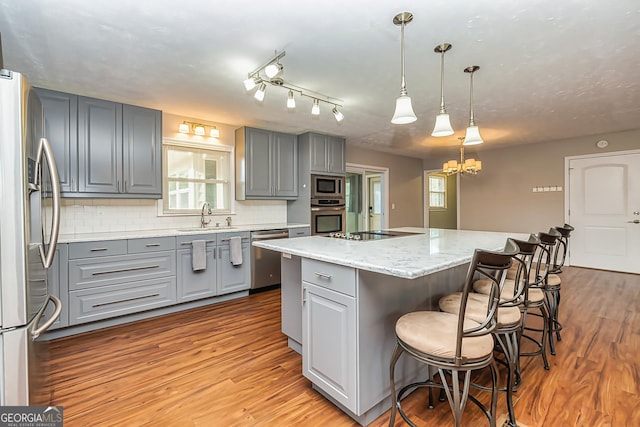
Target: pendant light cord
471, 117
442, 109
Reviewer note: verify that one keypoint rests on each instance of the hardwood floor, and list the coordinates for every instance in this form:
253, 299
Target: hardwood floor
229, 365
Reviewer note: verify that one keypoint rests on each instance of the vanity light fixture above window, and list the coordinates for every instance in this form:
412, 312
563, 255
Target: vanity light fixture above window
198, 129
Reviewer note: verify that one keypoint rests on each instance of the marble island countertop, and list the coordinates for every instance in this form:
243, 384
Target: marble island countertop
428, 251
136, 234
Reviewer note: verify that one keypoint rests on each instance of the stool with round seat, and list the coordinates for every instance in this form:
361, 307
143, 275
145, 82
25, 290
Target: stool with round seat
554, 281
453, 343
508, 330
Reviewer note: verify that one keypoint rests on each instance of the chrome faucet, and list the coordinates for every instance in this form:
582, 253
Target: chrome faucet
204, 223
228, 219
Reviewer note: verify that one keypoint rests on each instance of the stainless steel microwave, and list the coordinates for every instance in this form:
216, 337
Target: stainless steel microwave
327, 187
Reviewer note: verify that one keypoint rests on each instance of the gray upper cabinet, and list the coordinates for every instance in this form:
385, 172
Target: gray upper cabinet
60, 128
266, 165
142, 150
99, 145
103, 148
327, 153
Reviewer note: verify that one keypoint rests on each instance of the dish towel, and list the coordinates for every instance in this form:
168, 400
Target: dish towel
198, 255
235, 249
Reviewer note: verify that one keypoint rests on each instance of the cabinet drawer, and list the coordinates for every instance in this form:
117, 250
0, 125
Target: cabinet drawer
331, 276
184, 242
88, 305
152, 244
223, 238
97, 249
87, 273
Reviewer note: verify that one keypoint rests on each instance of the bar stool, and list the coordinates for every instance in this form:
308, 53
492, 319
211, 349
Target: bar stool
533, 298
554, 281
454, 343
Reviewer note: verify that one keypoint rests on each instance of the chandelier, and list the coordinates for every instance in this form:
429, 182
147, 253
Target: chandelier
468, 166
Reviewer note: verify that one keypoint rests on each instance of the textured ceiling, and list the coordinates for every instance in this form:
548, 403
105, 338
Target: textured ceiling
549, 69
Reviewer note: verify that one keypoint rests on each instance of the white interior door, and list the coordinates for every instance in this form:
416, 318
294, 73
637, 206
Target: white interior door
375, 201
604, 208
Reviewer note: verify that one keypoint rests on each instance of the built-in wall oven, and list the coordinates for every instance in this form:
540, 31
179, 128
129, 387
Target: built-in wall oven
328, 216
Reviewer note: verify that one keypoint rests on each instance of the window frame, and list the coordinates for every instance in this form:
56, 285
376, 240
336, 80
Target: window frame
443, 177
169, 143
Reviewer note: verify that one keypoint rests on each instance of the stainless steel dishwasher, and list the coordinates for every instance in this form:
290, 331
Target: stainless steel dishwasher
265, 264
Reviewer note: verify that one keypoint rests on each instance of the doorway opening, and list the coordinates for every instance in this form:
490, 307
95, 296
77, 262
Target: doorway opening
367, 195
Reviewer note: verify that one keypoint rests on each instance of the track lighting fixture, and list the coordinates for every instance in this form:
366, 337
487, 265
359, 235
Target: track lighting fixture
198, 129
337, 114
315, 110
291, 102
472, 136
404, 111
269, 73
259, 95
443, 124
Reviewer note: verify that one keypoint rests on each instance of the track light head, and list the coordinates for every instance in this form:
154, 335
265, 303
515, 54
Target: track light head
273, 70
315, 110
291, 102
259, 95
337, 114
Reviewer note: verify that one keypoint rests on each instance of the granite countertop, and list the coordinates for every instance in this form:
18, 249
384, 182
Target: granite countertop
136, 234
428, 251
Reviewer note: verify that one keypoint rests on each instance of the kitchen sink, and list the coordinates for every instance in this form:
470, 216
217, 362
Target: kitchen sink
206, 229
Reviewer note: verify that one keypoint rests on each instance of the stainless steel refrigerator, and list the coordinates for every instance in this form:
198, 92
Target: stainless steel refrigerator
29, 226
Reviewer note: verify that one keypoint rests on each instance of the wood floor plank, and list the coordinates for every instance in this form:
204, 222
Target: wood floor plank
229, 365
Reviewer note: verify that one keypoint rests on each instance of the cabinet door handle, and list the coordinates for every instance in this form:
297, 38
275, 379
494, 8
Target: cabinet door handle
304, 295
98, 249
152, 245
323, 275
124, 270
124, 300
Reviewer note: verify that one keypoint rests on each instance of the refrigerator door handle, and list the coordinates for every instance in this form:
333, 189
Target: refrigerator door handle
45, 148
37, 332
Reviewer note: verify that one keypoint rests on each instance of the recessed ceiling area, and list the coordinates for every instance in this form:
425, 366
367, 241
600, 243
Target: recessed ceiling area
549, 70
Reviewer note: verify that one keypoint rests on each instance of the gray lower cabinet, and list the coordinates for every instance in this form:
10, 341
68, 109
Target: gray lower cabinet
129, 281
266, 165
57, 283
193, 285
233, 278
329, 339
326, 153
220, 276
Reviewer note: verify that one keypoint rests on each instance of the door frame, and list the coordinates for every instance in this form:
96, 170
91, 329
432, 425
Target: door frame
359, 168
567, 182
425, 208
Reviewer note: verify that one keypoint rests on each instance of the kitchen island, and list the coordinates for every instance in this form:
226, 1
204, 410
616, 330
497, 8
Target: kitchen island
341, 299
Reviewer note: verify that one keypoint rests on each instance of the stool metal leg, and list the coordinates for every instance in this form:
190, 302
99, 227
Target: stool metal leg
397, 351
508, 344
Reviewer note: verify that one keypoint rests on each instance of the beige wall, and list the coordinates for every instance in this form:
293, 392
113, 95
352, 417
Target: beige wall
500, 198
405, 183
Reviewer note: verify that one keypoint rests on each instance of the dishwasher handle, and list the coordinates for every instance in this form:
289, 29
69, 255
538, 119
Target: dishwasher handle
279, 235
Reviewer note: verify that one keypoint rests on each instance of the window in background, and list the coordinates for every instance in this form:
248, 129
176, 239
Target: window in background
437, 192
194, 175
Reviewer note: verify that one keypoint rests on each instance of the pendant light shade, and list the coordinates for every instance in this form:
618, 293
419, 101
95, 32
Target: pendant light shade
404, 111
443, 124
472, 136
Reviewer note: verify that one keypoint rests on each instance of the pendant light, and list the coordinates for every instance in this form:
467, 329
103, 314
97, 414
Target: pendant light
443, 124
404, 111
472, 136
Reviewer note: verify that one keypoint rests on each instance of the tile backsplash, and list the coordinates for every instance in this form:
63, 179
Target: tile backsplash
107, 215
